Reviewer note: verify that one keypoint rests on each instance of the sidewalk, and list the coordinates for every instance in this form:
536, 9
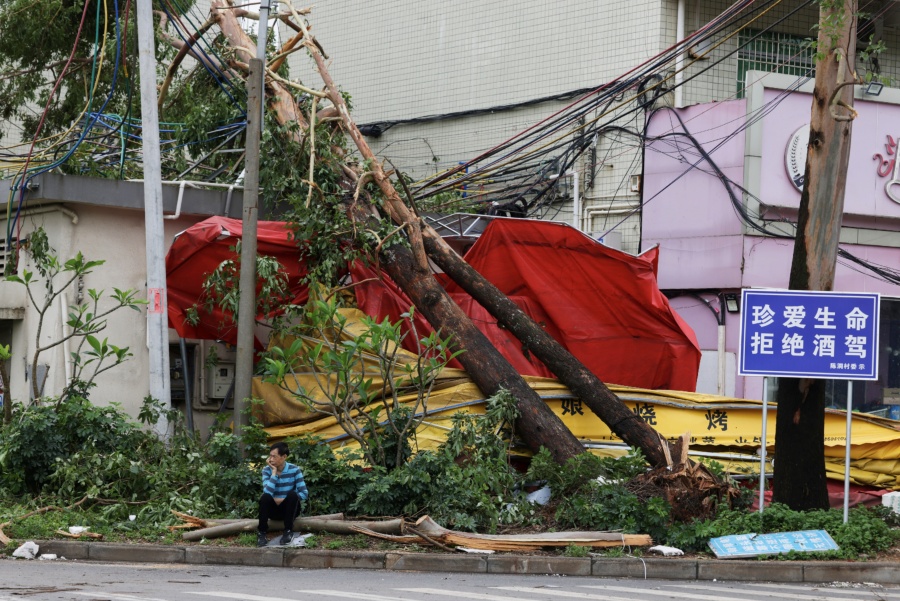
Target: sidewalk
647, 567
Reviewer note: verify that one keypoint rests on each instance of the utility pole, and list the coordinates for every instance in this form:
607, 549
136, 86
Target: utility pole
243, 378
157, 314
799, 478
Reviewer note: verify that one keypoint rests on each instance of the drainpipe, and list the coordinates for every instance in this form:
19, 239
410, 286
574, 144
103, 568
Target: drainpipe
720, 380
679, 57
50, 209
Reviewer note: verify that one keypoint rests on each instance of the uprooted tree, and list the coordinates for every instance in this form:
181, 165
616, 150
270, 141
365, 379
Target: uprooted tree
334, 196
409, 268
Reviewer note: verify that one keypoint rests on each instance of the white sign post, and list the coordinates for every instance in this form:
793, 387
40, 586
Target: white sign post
809, 334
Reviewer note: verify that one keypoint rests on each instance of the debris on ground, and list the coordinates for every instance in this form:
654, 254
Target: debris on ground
667, 551
27, 550
740, 546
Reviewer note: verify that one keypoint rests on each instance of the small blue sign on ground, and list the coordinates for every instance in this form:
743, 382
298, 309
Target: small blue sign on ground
753, 545
803, 334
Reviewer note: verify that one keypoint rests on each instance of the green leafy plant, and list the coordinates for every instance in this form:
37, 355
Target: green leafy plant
359, 380
466, 484
576, 551
865, 532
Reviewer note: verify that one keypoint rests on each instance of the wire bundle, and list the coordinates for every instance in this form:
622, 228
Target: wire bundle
110, 140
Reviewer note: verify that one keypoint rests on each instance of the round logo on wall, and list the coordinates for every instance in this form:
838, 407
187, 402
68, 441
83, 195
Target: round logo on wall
795, 156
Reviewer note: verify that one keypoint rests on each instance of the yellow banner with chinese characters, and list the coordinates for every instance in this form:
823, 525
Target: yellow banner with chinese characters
715, 424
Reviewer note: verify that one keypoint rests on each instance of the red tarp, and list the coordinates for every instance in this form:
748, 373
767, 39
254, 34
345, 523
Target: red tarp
200, 249
603, 305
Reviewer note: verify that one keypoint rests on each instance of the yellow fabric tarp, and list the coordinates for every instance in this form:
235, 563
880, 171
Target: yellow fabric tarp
716, 424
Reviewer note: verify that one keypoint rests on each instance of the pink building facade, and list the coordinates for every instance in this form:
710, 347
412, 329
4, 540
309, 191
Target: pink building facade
721, 190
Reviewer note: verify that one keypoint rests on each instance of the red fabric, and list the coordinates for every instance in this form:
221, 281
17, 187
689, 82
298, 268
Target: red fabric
603, 305
199, 250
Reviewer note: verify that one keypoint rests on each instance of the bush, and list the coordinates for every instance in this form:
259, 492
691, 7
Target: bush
41, 437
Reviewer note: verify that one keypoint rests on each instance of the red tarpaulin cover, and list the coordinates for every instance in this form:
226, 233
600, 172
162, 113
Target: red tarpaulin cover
200, 249
603, 305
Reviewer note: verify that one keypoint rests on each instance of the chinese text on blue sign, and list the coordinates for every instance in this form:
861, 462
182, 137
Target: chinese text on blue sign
802, 334
751, 545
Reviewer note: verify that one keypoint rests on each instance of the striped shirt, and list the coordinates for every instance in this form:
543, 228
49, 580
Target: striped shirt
291, 479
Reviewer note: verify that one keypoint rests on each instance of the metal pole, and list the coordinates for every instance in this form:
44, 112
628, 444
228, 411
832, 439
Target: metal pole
157, 315
762, 449
847, 452
247, 286
263, 29
720, 354
187, 373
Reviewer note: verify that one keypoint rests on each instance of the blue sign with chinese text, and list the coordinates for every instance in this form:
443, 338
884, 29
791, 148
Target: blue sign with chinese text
805, 334
752, 545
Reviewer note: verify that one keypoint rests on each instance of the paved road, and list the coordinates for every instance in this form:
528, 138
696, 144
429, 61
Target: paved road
84, 581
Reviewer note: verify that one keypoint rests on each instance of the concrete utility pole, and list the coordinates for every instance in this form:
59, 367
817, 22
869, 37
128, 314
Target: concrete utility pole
799, 479
243, 376
157, 314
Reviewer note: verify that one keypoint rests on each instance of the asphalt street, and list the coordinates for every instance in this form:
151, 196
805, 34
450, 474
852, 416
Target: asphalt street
81, 581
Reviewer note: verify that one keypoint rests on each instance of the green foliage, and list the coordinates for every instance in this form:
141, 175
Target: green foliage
333, 481
612, 507
467, 484
80, 451
582, 469
29, 67
576, 551
40, 437
221, 289
865, 532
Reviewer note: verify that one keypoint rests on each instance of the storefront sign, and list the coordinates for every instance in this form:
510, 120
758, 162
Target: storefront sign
889, 166
803, 334
795, 156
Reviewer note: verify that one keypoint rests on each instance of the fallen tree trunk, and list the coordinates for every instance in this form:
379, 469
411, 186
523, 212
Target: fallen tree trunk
570, 371
409, 268
307, 524
529, 542
537, 425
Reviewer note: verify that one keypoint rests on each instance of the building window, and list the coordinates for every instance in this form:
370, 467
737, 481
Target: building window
773, 52
7, 253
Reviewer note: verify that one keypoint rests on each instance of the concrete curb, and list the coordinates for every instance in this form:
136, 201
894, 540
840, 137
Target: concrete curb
602, 567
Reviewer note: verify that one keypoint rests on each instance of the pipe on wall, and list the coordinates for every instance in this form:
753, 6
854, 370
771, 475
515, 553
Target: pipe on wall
679, 58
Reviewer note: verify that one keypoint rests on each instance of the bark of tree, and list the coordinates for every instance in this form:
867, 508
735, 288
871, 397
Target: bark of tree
309, 524
537, 425
281, 101
799, 475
